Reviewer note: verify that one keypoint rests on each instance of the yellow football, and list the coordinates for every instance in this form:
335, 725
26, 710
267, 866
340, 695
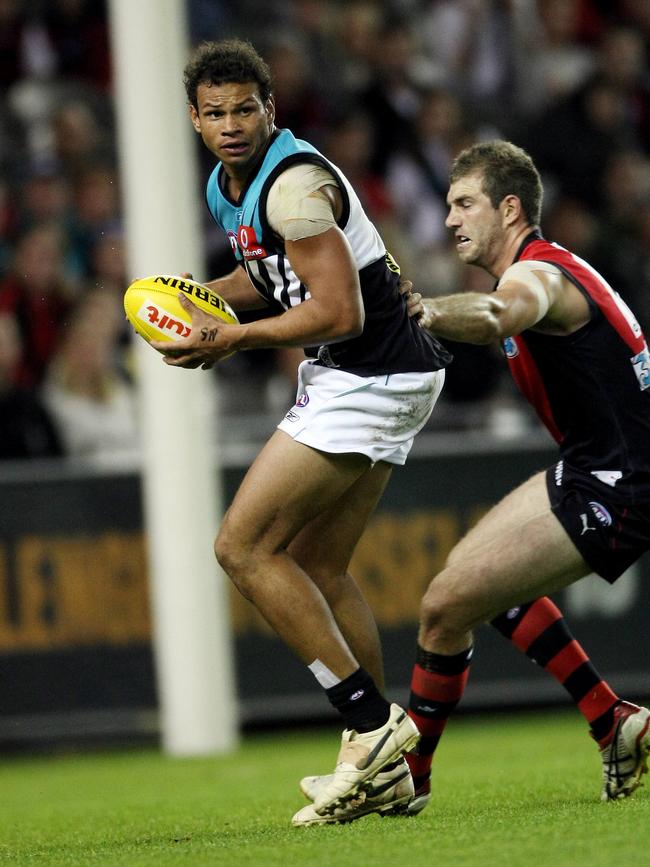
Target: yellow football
152, 306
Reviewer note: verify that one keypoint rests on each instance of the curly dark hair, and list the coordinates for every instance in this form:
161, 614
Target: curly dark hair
507, 170
231, 60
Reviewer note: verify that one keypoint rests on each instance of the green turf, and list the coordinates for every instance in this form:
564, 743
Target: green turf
516, 790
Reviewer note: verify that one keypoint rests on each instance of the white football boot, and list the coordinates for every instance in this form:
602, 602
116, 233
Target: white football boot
625, 759
389, 794
362, 756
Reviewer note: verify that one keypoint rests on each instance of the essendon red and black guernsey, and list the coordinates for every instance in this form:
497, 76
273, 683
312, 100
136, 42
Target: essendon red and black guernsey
591, 388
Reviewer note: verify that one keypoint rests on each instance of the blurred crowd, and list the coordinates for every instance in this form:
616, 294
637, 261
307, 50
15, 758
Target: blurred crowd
390, 92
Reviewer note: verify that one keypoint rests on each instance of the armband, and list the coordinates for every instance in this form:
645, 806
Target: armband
296, 205
525, 273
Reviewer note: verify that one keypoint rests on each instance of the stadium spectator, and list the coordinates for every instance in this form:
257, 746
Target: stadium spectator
416, 174
80, 140
207, 17
348, 145
625, 187
21, 39
470, 47
56, 111
37, 291
7, 225
97, 210
357, 27
554, 56
636, 12
108, 273
45, 197
595, 122
107, 261
298, 97
26, 428
392, 98
86, 389
77, 32
315, 21
623, 61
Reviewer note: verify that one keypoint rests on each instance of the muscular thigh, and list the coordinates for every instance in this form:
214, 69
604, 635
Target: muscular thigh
517, 552
514, 510
324, 547
288, 485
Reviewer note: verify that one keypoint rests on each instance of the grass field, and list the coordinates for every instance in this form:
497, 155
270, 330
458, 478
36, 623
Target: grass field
516, 790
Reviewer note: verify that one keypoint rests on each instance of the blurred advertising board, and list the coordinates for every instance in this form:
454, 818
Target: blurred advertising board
75, 654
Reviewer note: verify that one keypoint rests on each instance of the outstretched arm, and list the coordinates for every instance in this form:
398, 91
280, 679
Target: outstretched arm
525, 297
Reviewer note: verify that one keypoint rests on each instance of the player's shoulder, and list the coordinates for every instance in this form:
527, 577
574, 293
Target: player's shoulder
295, 186
305, 174
524, 268
532, 273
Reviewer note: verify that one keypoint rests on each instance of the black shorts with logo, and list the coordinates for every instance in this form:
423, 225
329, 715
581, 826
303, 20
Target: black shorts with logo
609, 532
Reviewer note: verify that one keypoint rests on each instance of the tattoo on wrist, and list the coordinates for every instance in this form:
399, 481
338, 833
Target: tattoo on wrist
209, 334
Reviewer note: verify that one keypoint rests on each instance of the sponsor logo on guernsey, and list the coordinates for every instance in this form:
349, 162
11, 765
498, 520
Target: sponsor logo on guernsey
292, 416
357, 695
510, 347
559, 470
641, 365
303, 400
248, 243
233, 241
607, 477
513, 612
601, 513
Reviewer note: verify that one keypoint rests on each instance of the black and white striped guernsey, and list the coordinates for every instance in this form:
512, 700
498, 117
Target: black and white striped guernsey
391, 342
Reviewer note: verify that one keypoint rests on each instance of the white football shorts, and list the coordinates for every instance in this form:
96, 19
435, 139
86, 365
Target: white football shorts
377, 416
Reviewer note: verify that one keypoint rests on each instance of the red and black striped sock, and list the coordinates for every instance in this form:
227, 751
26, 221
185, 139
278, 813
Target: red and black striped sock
437, 685
538, 629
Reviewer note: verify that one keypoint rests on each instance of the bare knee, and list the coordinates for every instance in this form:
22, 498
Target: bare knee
458, 553
235, 556
444, 614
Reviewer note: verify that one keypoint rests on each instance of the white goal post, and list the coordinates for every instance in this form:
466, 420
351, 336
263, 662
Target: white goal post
181, 491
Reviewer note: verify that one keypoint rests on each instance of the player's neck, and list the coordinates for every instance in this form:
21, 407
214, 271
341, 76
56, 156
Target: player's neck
512, 242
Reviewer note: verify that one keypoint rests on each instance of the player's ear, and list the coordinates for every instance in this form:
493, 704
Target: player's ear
270, 109
194, 117
511, 209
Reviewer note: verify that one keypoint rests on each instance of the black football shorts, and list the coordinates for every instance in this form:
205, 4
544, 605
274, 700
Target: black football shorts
609, 532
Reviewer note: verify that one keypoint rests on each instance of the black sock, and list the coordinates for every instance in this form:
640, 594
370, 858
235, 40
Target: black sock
359, 702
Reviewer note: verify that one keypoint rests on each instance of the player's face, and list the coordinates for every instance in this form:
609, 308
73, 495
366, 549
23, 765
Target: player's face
477, 226
234, 123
